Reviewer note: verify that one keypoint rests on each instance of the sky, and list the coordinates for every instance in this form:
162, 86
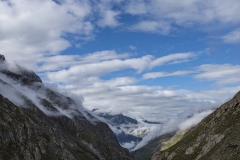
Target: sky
150, 58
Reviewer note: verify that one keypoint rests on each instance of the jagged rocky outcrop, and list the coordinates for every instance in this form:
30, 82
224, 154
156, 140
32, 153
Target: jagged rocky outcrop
28, 73
19, 70
216, 137
2, 58
43, 124
150, 122
118, 119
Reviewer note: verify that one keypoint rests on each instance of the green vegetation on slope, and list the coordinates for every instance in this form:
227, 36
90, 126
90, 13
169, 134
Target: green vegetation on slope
177, 137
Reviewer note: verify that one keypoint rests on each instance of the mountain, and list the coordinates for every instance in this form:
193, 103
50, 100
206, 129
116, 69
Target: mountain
37, 123
118, 119
150, 122
216, 137
120, 125
129, 131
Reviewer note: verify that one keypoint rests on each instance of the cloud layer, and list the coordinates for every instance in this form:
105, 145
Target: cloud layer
34, 29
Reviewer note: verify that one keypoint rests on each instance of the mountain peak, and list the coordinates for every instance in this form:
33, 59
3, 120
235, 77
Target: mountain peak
2, 58
13, 69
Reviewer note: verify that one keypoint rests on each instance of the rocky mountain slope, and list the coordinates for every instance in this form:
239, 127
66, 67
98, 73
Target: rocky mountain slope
37, 123
216, 137
118, 119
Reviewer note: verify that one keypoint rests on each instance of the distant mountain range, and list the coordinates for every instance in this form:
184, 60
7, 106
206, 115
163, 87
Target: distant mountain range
129, 131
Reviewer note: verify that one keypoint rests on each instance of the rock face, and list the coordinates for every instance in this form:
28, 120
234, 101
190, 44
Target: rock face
118, 119
217, 137
30, 132
2, 58
19, 70
28, 74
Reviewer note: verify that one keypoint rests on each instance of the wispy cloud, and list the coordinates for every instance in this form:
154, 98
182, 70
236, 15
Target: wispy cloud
59, 62
109, 19
159, 27
81, 72
173, 58
220, 74
186, 12
132, 47
153, 75
232, 37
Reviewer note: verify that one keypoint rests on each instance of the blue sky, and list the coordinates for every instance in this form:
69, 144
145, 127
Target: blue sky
153, 59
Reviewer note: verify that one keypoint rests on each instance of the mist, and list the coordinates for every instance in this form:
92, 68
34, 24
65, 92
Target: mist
37, 93
183, 121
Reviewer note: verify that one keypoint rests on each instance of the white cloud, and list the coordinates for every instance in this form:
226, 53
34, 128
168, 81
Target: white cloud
160, 27
103, 55
173, 58
232, 37
136, 7
151, 102
194, 120
109, 19
129, 145
186, 13
79, 72
116, 82
153, 75
31, 29
132, 47
59, 62
107, 16
221, 74
180, 122
76, 73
